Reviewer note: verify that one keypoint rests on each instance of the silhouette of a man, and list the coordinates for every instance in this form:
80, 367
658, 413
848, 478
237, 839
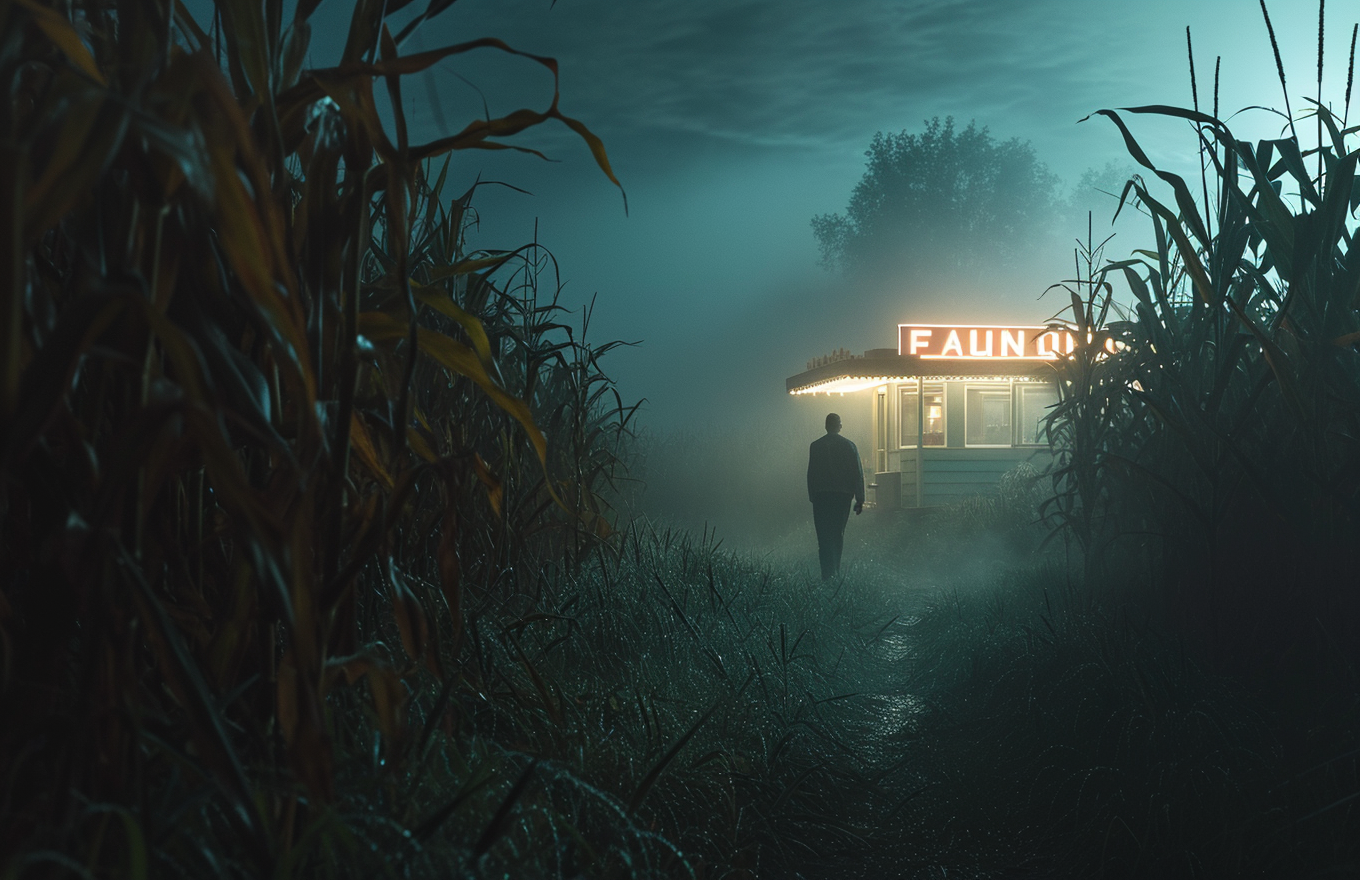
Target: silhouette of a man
834, 477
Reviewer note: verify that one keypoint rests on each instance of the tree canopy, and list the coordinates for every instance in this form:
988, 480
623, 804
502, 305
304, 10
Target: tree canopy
942, 201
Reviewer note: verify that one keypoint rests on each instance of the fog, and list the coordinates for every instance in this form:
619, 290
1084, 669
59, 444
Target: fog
734, 459
713, 269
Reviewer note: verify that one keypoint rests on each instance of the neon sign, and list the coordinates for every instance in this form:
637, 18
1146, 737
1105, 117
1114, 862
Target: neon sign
983, 342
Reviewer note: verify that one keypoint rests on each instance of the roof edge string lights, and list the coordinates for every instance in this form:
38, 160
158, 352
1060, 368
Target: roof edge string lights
850, 384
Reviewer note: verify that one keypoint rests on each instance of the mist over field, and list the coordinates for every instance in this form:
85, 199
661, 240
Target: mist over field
378, 498
736, 463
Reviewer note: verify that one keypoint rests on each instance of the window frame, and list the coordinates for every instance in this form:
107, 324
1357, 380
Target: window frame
907, 389
1021, 388
915, 389
881, 430
1009, 388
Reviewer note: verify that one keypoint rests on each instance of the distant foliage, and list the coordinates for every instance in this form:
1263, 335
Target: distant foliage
941, 202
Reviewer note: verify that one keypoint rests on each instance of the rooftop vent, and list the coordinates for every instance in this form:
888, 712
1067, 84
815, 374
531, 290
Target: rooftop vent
840, 354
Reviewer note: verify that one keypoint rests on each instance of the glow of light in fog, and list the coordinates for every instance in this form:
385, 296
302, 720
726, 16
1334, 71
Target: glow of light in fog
849, 384
983, 342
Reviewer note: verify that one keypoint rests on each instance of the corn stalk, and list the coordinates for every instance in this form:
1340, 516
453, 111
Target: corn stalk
228, 288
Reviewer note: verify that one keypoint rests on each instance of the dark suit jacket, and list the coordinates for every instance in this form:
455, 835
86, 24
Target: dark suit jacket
834, 466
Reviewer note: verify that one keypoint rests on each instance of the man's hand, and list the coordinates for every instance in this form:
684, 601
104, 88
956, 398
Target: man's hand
859, 507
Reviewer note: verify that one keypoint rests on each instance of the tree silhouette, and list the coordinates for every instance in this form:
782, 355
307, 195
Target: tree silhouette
941, 202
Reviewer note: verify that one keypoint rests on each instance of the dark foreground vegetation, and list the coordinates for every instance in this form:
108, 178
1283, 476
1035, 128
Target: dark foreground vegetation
310, 569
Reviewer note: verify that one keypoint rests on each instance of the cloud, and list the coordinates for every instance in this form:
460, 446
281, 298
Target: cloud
807, 72
823, 76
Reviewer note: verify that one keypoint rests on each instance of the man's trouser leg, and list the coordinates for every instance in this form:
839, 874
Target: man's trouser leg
830, 513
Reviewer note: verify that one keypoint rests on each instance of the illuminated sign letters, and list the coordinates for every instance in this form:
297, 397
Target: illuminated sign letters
982, 342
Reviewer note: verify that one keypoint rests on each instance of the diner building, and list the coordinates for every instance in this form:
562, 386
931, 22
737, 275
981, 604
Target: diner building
952, 408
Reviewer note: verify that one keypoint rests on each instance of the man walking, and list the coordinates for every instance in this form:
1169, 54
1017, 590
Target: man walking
834, 477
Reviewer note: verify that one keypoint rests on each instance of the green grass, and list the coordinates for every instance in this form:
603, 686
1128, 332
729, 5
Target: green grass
767, 681
702, 711
1064, 736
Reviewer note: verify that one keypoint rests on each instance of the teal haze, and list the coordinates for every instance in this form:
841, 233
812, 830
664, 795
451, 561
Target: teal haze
731, 123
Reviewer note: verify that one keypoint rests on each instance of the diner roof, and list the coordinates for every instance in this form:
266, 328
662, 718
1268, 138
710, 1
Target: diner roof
882, 366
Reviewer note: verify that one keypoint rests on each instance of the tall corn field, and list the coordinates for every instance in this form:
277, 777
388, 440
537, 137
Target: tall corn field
269, 435
1219, 439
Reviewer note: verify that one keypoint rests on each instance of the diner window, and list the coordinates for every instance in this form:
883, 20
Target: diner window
987, 415
910, 410
1033, 401
881, 426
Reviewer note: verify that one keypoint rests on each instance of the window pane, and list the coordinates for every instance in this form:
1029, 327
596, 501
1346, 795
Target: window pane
1034, 401
909, 409
988, 416
881, 459
934, 407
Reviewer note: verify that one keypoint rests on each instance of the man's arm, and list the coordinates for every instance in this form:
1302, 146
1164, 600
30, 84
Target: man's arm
809, 473
859, 477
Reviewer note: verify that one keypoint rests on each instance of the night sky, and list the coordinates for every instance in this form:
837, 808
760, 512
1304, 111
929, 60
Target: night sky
731, 123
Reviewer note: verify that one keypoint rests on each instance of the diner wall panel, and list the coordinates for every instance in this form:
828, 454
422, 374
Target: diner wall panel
953, 420
908, 478
951, 476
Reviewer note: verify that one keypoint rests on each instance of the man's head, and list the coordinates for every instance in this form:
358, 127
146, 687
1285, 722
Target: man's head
833, 423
